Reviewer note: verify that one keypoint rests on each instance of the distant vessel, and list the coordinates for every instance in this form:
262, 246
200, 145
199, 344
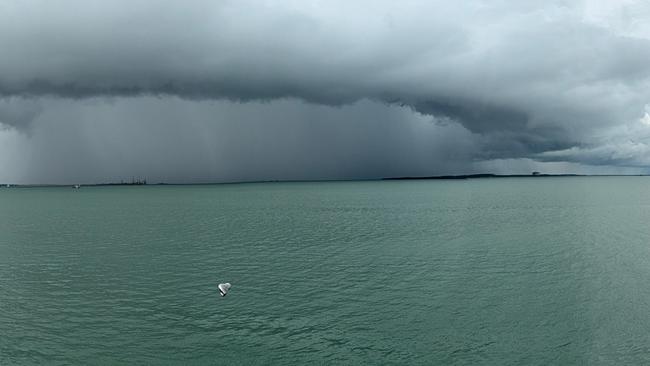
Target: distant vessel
76, 186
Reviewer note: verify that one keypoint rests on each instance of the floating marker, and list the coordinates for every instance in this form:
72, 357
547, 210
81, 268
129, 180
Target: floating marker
223, 288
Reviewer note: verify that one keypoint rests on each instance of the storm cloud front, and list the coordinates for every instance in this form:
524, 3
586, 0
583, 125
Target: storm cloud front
203, 91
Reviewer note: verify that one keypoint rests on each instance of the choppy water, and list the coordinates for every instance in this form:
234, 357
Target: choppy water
490, 271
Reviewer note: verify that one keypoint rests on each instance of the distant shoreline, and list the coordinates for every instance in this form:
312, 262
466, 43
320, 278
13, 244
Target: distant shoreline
434, 177
488, 175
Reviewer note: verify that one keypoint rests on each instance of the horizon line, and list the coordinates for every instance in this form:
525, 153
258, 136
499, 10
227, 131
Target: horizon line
433, 177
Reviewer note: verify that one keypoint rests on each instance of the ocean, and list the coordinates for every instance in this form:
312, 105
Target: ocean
497, 271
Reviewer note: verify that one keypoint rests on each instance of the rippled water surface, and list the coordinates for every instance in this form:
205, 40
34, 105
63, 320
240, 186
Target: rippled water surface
487, 271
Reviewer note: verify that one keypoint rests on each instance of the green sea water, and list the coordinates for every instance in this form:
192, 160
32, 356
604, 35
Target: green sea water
509, 271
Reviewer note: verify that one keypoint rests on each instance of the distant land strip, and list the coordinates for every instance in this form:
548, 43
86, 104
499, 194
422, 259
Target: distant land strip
487, 175
434, 177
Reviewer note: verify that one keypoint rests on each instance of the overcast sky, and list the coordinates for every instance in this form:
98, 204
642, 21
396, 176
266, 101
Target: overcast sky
200, 91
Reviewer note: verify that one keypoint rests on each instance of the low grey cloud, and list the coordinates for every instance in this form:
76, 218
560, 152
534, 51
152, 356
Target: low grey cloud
540, 80
18, 112
178, 140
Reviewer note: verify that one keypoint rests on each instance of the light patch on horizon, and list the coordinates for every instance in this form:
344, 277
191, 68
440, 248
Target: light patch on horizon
646, 119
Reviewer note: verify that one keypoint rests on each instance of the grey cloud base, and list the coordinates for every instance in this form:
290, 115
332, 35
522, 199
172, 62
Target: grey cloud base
176, 140
182, 141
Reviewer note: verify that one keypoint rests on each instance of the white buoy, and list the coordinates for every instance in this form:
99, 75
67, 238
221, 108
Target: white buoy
223, 289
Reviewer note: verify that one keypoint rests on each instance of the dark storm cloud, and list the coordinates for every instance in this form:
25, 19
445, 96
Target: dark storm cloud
18, 112
178, 140
536, 79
